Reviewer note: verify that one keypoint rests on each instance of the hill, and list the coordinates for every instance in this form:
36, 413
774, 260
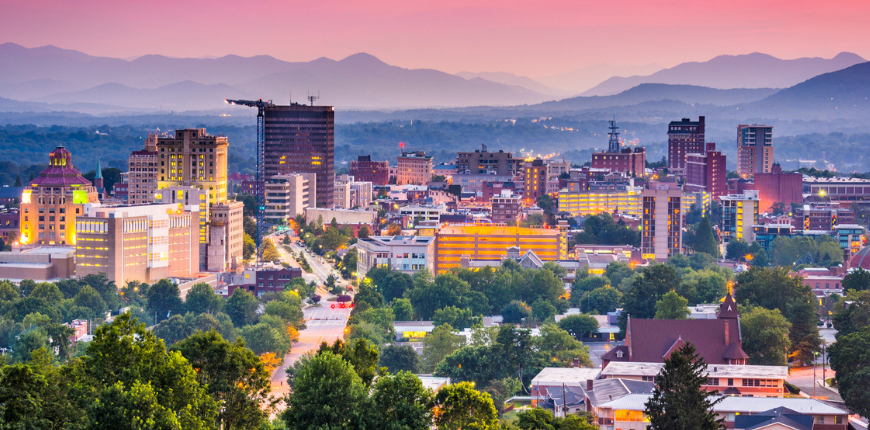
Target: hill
645, 93
54, 75
734, 71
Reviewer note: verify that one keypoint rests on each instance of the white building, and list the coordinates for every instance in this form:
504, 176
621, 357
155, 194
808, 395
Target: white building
406, 254
424, 212
289, 195
739, 215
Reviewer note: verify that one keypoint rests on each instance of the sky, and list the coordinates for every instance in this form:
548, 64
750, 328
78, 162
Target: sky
532, 38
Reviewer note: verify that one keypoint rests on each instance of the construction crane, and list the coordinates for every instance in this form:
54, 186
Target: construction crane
261, 161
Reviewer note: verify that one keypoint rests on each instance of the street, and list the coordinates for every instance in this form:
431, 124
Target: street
802, 377
597, 349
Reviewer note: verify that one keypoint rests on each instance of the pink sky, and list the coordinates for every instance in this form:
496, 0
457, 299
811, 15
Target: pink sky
533, 38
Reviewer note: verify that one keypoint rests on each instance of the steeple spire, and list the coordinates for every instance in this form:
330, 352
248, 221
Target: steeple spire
99, 170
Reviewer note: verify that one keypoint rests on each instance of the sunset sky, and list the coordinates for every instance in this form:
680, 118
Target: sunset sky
533, 38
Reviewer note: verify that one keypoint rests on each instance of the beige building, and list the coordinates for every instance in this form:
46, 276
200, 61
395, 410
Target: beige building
489, 242
138, 243
226, 236
45, 264
289, 195
414, 168
51, 202
142, 173
189, 196
342, 216
350, 193
754, 150
661, 223
194, 159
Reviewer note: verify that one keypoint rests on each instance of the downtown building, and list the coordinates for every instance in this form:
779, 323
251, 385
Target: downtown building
51, 202
492, 242
754, 150
414, 168
661, 234
534, 180
350, 193
143, 168
193, 158
618, 159
706, 172
301, 139
622, 199
506, 208
482, 161
138, 243
366, 170
288, 195
406, 254
739, 216
685, 137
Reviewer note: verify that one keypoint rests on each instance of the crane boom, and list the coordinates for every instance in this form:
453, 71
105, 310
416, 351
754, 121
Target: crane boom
261, 106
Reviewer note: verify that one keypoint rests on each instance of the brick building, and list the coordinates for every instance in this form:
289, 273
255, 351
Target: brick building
143, 167
778, 186
685, 137
706, 172
754, 149
414, 168
366, 170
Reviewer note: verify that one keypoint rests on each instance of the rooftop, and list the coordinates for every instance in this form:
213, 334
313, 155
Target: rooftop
551, 376
621, 368
749, 405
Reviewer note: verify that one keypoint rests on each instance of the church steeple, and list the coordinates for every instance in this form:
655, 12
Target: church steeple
98, 178
728, 308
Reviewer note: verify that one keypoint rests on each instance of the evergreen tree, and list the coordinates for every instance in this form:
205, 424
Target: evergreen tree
18, 181
678, 401
704, 239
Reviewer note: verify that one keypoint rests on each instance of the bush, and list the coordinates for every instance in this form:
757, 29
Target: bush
791, 388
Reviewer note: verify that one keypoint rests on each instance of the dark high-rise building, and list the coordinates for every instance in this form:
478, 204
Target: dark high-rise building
684, 137
706, 172
301, 139
366, 170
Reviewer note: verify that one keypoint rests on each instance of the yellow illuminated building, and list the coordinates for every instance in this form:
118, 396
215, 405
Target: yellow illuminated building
193, 158
488, 242
51, 202
595, 202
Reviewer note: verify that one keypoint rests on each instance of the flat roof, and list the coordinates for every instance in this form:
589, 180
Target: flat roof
433, 382
50, 250
565, 375
749, 405
620, 368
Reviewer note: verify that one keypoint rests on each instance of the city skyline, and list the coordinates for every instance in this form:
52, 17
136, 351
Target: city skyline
551, 38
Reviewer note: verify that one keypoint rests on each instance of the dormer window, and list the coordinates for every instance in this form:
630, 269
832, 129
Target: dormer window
618, 354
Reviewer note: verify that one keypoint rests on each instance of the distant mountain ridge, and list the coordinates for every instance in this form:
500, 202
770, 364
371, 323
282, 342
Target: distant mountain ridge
358, 81
754, 70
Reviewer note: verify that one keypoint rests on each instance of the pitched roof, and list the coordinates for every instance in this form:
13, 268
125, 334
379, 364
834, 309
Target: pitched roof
606, 390
728, 309
651, 340
780, 415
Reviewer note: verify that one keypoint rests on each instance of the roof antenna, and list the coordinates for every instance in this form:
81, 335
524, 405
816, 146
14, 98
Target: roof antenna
312, 98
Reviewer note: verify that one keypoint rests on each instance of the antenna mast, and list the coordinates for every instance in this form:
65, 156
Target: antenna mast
613, 144
312, 98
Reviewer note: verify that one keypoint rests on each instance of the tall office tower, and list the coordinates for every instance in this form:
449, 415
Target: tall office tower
482, 161
739, 215
661, 233
142, 173
414, 168
194, 159
684, 137
754, 150
366, 170
51, 202
706, 172
534, 181
301, 139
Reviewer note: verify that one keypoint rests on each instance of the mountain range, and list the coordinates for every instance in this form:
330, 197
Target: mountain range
733, 71
53, 79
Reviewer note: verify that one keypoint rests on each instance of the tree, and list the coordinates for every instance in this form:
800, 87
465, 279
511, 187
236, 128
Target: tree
400, 402
849, 357
264, 337
559, 346
201, 298
765, 336
541, 419
647, 289
402, 310
858, 279
270, 252
242, 307
360, 353
600, 300
107, 289
704, 239
460, 319
678, 402
856, 316
543, 310
774, 288
439, 344
736, 249
327, 394
124, 355
172, 329
164, 299
672, 307
579, 326
249, 247
394, 230
397, 358
289, 312
332, 239
233, 375
460, 406
90, 299
515, 312
363, 232
427, 297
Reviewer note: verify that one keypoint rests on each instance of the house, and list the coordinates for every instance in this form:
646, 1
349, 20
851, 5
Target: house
780, 418
718, 340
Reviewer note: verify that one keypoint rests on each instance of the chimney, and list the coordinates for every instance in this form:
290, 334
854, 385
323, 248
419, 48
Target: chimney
576, 362
727, 332
589, 385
